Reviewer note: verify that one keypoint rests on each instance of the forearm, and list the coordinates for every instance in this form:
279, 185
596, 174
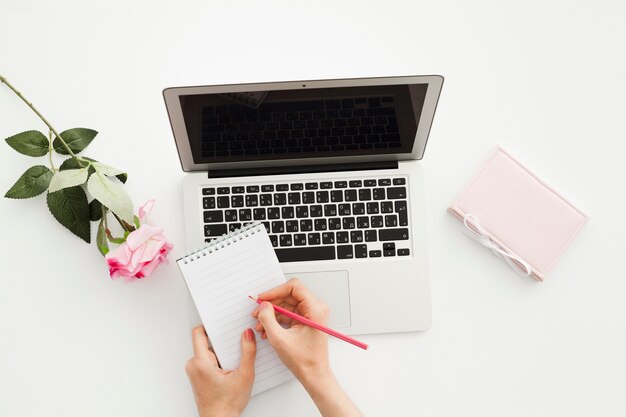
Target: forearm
329, 397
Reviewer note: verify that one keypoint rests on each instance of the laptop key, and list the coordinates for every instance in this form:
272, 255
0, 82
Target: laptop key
369, 183
376, 221
314, 238
308, 197
345, 252
278, 227
293, 198
252, 200
315, 211
344, 210
375, 254
348, 223
236, 201
370, 235
287, 212
223, 202
208, 203
322, 196
274, 240
320, 224
350, 195
299, 239
230, 215
355, 183
273, 213
213, 216
330, 210
356, 236
403, 252
252, 189
326, 185
208, 191
302, 212
365, 194
306, 225
238, 190
311, 186
379, 193
245, 215
223, 190
391, 220
341, 184
233, 226
280, 199
393, 234
214, 230
399, 181
403, 218
282, 187
319, 253
336, 196
395, 193
384, 181
259, 214
342, 237
328, 238
362, 222
297, 187
358, 208
334, 223
386, 207
267, 188
285, 240
372, 208
360, 251
266, 199
291, 225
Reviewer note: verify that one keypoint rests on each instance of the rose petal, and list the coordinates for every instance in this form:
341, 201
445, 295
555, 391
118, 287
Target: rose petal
141, 235
145, 210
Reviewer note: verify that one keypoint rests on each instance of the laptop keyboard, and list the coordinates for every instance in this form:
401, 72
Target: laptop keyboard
300, 127
317, 220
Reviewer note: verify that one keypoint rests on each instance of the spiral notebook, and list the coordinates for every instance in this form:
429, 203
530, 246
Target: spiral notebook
220, 277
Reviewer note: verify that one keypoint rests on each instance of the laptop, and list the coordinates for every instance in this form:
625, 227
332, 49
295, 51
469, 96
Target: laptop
331, 169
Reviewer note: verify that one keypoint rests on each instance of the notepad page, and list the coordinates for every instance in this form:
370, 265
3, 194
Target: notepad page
219, 283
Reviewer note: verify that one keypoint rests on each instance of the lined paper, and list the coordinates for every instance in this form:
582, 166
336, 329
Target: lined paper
220, 278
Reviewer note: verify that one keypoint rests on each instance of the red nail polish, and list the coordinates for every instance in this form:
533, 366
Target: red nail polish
249, 335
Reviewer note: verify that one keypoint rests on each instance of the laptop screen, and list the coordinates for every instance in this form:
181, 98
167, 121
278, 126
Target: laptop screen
303, 123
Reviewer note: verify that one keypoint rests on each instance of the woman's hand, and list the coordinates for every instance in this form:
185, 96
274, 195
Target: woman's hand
218, 392
303, 349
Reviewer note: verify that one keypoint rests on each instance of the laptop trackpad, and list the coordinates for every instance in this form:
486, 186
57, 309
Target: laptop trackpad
333, 288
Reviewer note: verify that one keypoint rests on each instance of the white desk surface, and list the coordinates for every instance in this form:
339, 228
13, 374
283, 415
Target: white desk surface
543, 79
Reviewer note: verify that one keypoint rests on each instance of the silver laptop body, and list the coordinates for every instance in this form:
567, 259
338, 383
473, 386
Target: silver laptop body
331, 168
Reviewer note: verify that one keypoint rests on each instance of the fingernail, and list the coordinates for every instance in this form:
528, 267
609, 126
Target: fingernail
249, 335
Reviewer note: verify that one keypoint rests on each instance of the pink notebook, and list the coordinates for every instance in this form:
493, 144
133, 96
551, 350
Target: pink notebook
517, 215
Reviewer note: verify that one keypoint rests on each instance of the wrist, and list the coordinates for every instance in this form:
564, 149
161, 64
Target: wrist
219, 411
316, 378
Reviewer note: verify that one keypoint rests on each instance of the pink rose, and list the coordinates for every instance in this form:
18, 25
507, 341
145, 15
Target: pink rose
142, 252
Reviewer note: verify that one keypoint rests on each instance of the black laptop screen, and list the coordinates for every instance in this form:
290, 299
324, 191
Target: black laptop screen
303, 123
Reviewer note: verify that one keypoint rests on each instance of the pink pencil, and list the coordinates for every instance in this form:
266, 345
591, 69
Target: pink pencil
313, 324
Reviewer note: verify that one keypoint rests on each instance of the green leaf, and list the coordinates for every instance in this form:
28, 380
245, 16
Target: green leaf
101, 238
117, 240
72, 163
31, 143
107, 170
32, 182
70, 207
111, 195
137, 224
122, 177
95, 210
68, 178
77, 139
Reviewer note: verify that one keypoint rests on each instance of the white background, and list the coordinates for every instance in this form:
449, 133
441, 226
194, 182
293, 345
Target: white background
545, 79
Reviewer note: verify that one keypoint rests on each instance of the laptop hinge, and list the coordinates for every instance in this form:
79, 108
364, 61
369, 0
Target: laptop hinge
301, 169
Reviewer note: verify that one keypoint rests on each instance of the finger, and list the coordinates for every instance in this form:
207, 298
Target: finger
292, 288
268, 320
200, 341
248, 353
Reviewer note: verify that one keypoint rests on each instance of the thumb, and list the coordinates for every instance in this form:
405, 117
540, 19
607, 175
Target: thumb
248, 352
268, 320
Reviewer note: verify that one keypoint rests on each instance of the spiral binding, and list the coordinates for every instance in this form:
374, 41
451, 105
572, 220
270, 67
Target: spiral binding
221, 242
